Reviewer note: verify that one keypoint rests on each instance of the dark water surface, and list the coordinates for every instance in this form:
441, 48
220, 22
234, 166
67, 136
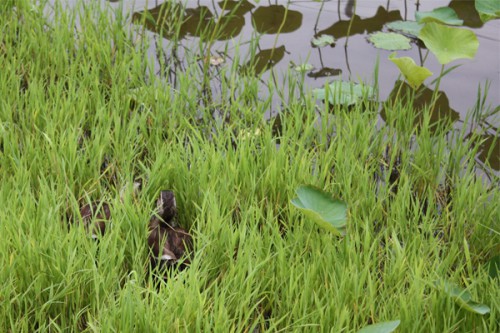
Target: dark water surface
351, 58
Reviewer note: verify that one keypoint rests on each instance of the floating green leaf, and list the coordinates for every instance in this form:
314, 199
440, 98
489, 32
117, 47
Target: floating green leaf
448, 43
390, 41
415, 75
445, 15
385, 327
488, 9
303, 68
344, 93
409, 28
318, 205
462, 297
323, 40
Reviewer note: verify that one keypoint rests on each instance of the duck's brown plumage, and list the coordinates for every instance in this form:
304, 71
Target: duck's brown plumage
95, 217
168, 243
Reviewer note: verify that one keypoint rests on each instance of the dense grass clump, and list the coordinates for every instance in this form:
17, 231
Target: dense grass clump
83, 114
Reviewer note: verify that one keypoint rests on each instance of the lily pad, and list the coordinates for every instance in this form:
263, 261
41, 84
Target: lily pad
408, 28
449, 43
415, 75
390, 41
385, 327
488, 9
318, 205
462, 297
344, 93
304, 68
323, 40
444, 15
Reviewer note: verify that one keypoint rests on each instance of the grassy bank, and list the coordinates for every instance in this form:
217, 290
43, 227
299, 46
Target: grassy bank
83, 114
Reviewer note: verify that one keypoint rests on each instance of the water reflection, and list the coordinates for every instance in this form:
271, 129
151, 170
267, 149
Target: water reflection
489, 151
264, 60
275, 18
325, 72
423, 100
239, 8
357, 25
172, 21
284, 34
466, 11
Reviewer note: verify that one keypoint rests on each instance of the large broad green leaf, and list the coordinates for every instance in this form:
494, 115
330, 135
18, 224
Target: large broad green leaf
385, 327
488, 9
409, 28
462, 297
448, 43
327, 212
390, 41
415, 75
344, 93
445, 15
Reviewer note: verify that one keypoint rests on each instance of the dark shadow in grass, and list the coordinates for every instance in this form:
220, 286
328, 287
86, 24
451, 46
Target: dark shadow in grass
402, 93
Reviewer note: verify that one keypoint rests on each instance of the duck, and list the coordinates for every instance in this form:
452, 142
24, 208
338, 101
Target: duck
169, 244
95, 217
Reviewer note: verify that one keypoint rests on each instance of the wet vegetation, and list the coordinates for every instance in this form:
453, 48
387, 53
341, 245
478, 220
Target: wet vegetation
87, 114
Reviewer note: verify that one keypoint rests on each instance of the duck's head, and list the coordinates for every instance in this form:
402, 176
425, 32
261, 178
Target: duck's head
166, 206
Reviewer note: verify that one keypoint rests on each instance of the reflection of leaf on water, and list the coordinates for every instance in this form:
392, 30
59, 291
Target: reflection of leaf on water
402, 92
239, 8
269, 20
264, 60
489, 151
167, 17
196, 21
230, 25
467, 12
324, 72
360, 26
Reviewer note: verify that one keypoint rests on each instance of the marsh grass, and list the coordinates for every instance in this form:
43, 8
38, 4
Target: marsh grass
82, 117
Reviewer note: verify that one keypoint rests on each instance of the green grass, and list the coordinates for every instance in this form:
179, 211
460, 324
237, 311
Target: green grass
68, 132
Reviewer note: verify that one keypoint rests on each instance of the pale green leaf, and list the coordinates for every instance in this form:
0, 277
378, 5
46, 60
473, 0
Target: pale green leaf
344, 93
409, 28
303, 68
319, 206
449, 43
462, 297
445, 15
415, 75
389, 41
488, 9
323, 40
385, 327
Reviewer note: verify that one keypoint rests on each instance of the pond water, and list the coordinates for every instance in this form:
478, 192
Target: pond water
350, 58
